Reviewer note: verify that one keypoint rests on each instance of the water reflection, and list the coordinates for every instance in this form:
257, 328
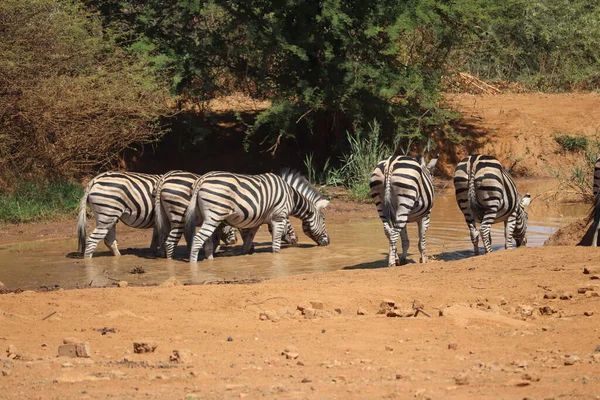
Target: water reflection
358, 242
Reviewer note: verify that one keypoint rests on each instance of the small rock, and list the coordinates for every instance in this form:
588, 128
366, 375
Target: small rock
588, 313
309, 312
305, 380
6, 372
400, 313
583, 290
144, 346
172, 281
361, 311
529, 377
501, 301
322, 314
317, 305
417, 305
571, 359
389, 348
180, 356
596, 357
524, 310
387, 303
269, 315
12, 353
591, 271
290, 352
123, 284
522, 383
589, 294
229, 339
452, 346
81, 350
566, 296
550, 295
547, 310
461, 379
303, 306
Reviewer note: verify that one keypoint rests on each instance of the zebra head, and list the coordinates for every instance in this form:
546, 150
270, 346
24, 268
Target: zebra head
308, 205
228, 235
521, 222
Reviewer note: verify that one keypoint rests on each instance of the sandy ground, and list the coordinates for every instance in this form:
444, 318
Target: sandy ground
499, 338
514, 324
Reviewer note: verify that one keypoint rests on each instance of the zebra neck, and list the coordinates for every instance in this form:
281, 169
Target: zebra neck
301, 207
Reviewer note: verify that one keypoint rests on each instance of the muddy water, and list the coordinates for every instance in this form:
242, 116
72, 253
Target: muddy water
357, 241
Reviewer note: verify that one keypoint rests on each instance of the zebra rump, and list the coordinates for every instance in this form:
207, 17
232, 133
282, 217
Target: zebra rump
402, 189
486, 193
114, 196
248, 201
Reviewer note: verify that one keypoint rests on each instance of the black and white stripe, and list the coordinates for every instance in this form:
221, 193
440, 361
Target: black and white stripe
172, 197
402, 188
594, 215
114, 196
486, 193
248, 201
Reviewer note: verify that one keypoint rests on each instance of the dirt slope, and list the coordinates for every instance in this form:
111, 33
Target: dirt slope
519, 129
488, 348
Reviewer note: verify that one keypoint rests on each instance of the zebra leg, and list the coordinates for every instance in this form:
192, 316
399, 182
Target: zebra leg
206, 230
509, 229
595, 228
486, 226
405, 245
102, 229
172, 240
248, 236
423, 226
277, 228
110, 240
210, 248
474, 233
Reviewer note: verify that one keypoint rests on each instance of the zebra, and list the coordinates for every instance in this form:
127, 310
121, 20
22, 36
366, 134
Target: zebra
486, 193
114, 196
248, 201
594, 214
171, 198
402, 189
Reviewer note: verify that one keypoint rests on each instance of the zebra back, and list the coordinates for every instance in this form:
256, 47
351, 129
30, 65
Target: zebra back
402, 188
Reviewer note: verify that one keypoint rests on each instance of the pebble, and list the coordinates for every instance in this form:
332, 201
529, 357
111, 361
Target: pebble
303, 306
290, 352
180, 356
316, 304
583, 290
461, 379
588, 313
74, 349
592, 294
550, 295
269, 316
389, 348
6, 372
566, 296
144, 346
172, 281
529, 377
571, 359
361, 311
590, 271
452, 346
123, 284
309, 312
342, 311
400, 313
547, 310
229, 339
524, 310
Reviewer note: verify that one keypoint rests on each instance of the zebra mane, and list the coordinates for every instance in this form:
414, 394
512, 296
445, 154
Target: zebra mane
299, 183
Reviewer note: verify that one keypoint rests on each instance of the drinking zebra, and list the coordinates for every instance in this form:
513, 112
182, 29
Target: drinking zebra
595, 211
171, 198
114, 196
402, 188
486, 193
248, 201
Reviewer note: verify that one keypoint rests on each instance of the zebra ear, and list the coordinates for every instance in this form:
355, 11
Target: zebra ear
321, 203
526, 200
432, 164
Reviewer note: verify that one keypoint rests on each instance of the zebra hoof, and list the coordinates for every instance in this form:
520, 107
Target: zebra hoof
423, 260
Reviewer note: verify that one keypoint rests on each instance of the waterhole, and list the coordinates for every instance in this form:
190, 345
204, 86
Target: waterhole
357, 241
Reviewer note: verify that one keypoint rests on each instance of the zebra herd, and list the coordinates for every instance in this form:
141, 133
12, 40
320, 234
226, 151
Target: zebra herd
175, 203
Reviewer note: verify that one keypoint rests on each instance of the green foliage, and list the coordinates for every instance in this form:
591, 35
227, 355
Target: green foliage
577, 178
547, 44
71, 99
38, 201
571, 143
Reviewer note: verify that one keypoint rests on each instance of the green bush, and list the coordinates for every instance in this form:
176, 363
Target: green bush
571, 143
38, 201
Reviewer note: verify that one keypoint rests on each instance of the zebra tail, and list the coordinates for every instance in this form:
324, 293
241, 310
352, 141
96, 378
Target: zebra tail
389, 211
190, 213
82, 219
471, 194
160, 223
